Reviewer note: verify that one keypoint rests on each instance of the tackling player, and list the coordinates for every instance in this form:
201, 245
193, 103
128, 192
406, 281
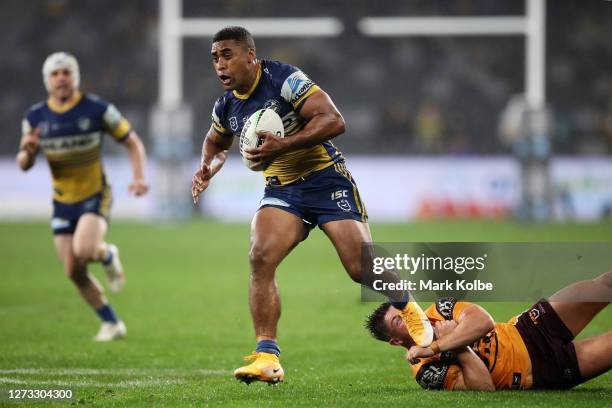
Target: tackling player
68, 127
307, 183
534, 350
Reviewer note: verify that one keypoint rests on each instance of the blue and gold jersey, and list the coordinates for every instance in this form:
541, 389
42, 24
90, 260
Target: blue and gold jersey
71, 139
284, 88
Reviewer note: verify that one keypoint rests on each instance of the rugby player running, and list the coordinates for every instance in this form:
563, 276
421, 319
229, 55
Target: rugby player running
534, 350
307, 184
68, 127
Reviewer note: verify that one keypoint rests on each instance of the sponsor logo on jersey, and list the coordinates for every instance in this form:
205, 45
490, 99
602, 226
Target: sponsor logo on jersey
57, 223
272, 104
73, 143
112, 116
294, 83
534, 314
339, 194
292, 123
445, 307
516, 380
296, 86
273, 201
304, 87
432, 375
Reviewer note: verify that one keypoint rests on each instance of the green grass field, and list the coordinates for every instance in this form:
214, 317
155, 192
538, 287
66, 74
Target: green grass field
185, 306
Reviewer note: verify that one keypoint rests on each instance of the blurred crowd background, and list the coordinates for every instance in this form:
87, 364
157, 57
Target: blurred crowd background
434, 95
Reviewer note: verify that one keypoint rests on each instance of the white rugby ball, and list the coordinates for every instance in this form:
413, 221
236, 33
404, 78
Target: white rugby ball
263, 119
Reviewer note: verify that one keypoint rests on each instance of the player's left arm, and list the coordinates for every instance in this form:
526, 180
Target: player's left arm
121, 130
138, 158
473, 322
323, 122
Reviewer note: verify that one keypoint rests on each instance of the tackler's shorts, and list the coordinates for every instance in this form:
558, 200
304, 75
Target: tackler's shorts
551, 351
320, 197
65, 216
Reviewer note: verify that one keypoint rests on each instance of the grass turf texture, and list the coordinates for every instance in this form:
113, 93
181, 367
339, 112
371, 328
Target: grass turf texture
185, 305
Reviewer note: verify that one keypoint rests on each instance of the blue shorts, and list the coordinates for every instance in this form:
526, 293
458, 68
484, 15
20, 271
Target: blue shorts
323, 196
65, 216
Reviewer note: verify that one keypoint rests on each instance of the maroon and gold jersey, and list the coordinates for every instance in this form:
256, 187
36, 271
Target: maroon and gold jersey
502, 350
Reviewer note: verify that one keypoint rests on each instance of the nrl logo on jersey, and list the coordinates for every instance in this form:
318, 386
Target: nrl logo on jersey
233, 123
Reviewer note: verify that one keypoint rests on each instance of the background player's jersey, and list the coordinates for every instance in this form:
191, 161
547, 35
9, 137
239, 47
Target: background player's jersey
71, 138
502, 350
284, 88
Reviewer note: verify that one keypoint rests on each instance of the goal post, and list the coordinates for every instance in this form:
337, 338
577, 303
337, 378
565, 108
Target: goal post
533, 148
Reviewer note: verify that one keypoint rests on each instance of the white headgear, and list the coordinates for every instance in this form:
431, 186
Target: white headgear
60, 60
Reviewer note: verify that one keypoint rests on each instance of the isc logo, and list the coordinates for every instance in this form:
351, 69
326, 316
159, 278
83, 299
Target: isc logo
336, 195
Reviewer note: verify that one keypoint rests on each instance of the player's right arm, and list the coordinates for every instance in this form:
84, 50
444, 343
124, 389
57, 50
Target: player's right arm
214, 153
466, 371
473, 375
28, 148
473, 322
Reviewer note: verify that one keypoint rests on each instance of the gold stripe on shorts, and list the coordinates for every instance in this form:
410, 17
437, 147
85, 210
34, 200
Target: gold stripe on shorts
342, 169
105, 203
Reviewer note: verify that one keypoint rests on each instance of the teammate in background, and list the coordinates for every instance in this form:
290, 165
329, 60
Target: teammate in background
534, 350
307, 183
68, 128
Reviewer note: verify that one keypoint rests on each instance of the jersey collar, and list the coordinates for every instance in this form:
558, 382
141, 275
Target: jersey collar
246, 95
76, 97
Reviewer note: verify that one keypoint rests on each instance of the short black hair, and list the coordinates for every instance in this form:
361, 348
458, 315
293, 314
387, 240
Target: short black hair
236, 33
375, 323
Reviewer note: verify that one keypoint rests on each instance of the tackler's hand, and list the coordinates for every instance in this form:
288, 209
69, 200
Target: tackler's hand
443, 328
200, 181
415, 354
271, 147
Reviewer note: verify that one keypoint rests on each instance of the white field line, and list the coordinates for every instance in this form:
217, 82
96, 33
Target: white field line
114, 371
120, 384
149, 375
